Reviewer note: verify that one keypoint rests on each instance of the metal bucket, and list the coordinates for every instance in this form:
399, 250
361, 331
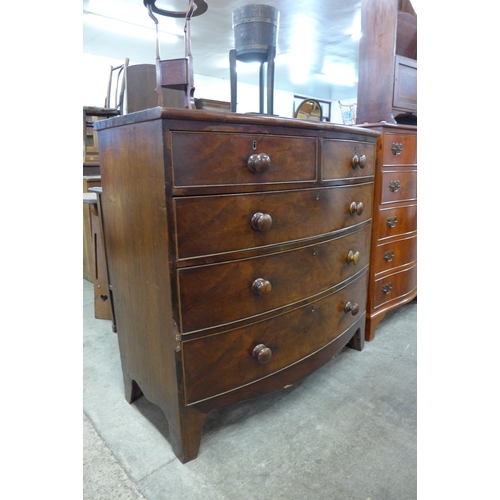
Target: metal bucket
255, 30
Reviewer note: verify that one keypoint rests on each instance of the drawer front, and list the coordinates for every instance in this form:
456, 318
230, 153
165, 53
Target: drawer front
396, 221
395, 286
400, 149
347, 159
218, 294
394, 254
223, 362
399, 186
222, 159
207, 225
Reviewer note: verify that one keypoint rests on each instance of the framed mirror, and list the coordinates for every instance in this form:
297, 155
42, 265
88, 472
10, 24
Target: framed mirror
309, 109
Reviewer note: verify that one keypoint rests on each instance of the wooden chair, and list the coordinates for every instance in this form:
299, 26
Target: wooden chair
116, 86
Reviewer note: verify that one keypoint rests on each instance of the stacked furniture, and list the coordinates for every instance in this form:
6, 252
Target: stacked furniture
238, 252
387, 103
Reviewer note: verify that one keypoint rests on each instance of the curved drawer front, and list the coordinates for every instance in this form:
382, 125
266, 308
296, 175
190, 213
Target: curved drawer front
400, 149
347, 159
201, 159
223, 362
399, 186
208, 225
396, 221
395, 286
395, 254
216, 294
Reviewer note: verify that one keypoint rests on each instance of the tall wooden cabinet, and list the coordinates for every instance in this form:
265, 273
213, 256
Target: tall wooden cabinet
387, 86
238, 251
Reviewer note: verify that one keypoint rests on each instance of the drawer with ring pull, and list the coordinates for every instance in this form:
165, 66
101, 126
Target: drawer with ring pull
400, 149
396, 221
398, 185
205, 159
394, 254
395, 286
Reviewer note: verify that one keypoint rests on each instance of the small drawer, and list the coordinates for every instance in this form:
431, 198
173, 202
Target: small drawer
204, 159
399, 186
396, 221
223, 362
400, 149
208, 225
261, 284
347, 159
395, 286
394, 254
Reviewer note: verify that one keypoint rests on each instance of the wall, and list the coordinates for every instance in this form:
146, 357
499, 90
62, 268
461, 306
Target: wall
96, 75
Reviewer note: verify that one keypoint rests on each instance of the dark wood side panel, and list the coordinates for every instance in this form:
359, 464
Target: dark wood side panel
137, 245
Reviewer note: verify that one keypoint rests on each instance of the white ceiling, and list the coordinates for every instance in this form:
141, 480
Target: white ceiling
317, 54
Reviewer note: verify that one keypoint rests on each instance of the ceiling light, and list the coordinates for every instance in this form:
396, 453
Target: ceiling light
109, 24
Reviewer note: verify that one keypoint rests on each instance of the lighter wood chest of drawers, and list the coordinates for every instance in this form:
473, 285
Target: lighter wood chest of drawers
393, 268
238, 252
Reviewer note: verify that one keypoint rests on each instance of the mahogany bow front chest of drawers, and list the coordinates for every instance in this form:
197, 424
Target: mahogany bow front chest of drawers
238, 249
393, 266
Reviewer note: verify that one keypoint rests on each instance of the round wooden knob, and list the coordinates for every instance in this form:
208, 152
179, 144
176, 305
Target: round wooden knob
352, 257
261, 287
351, 308
258, 162
362, 161
355, 161
261, 221
262, 353
356, 208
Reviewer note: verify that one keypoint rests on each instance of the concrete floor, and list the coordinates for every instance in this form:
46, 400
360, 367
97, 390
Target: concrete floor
347, 432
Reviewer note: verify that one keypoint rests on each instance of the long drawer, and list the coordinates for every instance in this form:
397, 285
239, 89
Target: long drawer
201, 159
395, 286
399, 186
261, 284
397, 221
207, 225
394, 254
347, 159
223, 362
400, 149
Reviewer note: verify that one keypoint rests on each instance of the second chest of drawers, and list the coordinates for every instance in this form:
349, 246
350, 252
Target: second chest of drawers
393, 268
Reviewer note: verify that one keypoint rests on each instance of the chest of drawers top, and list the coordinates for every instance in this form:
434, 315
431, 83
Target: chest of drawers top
210, 152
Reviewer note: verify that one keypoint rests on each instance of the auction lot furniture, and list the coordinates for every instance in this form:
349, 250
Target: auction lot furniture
238, 252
